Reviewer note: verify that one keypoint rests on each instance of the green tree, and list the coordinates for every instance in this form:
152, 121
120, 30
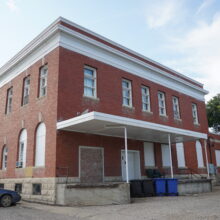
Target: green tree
213, 112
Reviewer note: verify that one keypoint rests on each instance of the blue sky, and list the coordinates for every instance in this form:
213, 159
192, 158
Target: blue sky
182, 34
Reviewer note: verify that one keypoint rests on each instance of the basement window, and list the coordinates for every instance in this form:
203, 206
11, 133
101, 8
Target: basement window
36, 188
18, 188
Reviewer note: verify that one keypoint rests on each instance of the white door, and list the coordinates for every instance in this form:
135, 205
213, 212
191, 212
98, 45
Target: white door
134, 171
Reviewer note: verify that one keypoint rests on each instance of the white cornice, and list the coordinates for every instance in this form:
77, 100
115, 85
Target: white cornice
126, 49
42, 45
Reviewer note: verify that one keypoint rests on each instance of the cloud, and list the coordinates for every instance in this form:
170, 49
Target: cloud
11, 4
161, 12
204, 5
200, 54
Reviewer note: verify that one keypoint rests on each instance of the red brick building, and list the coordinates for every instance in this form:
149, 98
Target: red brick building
71, 101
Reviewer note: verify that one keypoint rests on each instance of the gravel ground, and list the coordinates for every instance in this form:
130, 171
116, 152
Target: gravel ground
203, 206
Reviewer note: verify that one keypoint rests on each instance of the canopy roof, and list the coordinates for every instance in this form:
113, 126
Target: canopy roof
111, 125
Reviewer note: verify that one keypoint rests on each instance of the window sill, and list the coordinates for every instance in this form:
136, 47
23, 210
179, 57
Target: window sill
41, 97
150, 167
166, 167
128, 107
164, 116
196, 124
147, 112
182, 168
178, 119
91, 98
201, 167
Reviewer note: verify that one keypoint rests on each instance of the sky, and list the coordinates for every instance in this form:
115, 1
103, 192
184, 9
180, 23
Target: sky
181, 34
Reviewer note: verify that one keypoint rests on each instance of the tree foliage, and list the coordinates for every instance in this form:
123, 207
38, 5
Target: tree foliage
213, 112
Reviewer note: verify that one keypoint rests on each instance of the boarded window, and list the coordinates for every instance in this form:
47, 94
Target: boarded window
40, 145
217, 156
149, 154
180, 155
199, 154
165, 155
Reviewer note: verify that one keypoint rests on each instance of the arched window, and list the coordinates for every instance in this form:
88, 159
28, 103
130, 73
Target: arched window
4, 157
199, 154
40, 145
22, 149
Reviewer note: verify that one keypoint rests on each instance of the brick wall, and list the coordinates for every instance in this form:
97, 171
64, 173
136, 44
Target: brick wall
28, 117
109, 92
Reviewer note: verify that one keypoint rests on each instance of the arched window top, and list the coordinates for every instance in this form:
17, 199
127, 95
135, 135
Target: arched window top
23, 135
41, 130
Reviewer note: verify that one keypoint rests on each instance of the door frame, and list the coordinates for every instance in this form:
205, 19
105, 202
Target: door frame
138, 162
91, 147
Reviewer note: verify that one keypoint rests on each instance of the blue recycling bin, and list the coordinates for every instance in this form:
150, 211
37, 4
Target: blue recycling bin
172, 187
160, 186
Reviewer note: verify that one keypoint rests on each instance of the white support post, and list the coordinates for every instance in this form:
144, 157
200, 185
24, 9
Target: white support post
126, 154
206, 157
171, 161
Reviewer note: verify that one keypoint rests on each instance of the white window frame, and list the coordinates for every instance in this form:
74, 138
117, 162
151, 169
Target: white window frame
165, 150
176, 107
199, 154
22, 149
145, 95
43, 81
217, 157
9, 100
180, 155
129, 90
93, 78
149, 156
162, 103
195, 114
26, 90
4, 157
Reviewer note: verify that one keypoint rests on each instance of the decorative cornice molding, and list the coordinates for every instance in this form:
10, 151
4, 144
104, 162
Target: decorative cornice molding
10, 70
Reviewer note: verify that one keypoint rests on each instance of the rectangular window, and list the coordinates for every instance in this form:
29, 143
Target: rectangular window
21, 155
180, 155
18, 188
195, 114
90, 82
2, 185
36, 189
43, 81
149, 154
217, 157
145, 93
9, 100
161, 102
126, 93
176, 108
165, 155
26, 90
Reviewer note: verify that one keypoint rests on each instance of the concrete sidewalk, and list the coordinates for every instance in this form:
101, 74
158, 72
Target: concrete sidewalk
203, 206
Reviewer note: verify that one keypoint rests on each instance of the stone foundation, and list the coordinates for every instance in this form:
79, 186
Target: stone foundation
48, 190
93, 194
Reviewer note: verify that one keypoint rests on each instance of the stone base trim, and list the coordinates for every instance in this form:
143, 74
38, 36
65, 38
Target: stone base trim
48, 190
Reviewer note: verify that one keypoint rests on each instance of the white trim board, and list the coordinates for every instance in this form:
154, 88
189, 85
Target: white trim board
82, 44
124, 121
